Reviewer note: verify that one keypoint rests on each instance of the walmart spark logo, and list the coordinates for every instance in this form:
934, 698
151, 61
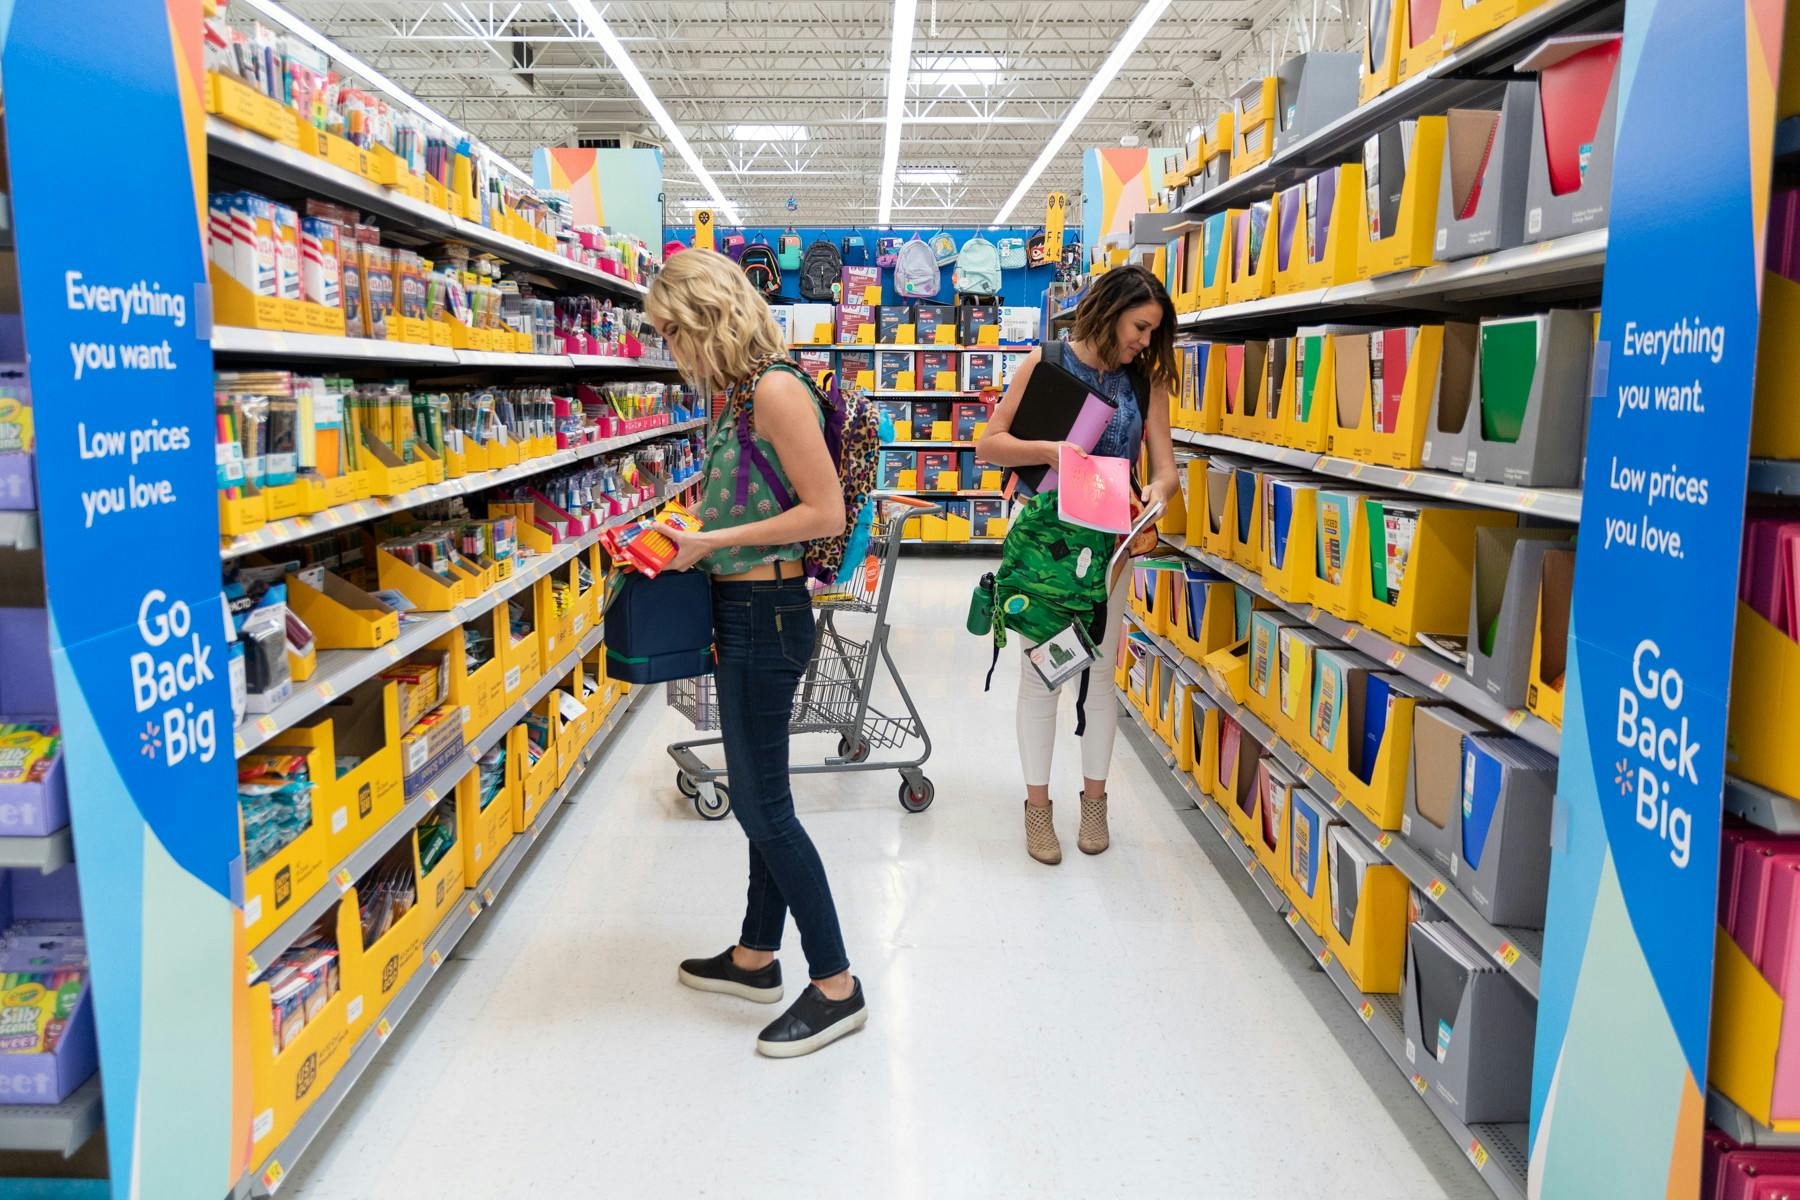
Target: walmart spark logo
1622, 776
150, 740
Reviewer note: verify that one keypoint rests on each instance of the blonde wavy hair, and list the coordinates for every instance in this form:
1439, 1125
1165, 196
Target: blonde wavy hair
702, 300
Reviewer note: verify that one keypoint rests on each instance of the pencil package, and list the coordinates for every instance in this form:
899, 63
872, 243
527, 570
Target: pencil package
378, 289
286, 224
319, 273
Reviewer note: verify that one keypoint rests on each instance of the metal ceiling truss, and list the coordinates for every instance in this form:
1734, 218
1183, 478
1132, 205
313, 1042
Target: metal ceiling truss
990, 83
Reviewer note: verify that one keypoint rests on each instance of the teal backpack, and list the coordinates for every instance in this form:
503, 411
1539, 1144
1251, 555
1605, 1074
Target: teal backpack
1052, 574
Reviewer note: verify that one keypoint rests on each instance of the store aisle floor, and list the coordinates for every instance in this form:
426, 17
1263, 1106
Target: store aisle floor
1113, 1026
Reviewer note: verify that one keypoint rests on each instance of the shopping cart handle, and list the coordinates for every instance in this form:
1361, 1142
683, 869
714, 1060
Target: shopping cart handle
914, 502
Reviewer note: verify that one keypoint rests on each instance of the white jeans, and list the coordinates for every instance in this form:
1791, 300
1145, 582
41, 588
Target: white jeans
1038, 704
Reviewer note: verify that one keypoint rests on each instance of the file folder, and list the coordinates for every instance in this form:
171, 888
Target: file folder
1508, 366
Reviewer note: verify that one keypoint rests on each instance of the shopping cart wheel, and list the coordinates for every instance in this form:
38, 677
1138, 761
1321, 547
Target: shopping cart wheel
860, 754
684, 783
720, 806
917, 800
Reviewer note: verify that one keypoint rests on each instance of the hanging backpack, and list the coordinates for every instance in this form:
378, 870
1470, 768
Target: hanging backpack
885, 250
1012, 253
944, 246
916, 270
671, 247
787, 250
732, 244
1052, 575
978, 268
852, 434
761, 268
820, 267
856, 251
1035, 251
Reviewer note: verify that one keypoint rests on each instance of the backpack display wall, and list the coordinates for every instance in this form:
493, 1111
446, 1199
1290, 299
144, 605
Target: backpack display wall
761, 268
787, 250
1012, 253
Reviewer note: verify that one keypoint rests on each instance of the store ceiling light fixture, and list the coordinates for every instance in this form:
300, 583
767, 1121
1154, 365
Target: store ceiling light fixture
1135, 33
959, 70
899, 63
608, 41
929, 175
769, 133
324, 45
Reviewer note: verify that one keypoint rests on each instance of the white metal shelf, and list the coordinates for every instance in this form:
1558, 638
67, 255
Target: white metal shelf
929, 394
1761, 806
52, 1128
276, 343
1497, 1152
1442, 676
1447, 83
233, 144
439, 945
294, 528
1558, 265
908, 346
1560, 504
365, 856
341, 670
43, 854
926, 444
1518, 950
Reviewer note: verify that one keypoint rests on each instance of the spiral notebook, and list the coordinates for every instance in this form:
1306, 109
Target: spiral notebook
1093, 491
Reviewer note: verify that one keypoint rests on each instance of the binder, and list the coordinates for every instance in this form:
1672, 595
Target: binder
1057, 407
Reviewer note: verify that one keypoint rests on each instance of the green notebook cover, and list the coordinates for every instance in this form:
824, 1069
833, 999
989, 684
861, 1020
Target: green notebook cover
1312, 350
1508, 365
1240, 622
1375, 513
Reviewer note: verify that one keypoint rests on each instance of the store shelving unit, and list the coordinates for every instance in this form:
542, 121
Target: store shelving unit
43, 854
293, 528
266, 1177
1541, 272
270, 343
907, 346
53, 1128
264, 157
1461, 77
1561, 504
925, 395
1498, 1152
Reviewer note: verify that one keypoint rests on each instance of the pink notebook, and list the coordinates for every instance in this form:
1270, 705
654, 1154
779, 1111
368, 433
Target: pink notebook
1757, 860
1730, 838
1093, 491
1756, 1175
1090, 424
1781, 921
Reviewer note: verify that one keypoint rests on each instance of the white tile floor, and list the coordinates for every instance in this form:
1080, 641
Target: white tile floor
1115, 1026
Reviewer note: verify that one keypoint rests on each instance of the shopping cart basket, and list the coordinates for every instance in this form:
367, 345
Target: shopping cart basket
833, 696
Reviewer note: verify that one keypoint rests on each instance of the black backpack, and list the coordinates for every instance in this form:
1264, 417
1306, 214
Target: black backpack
762, 268
820, 268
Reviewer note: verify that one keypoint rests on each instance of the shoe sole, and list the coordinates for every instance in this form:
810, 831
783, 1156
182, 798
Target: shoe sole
817, 1041
726, 987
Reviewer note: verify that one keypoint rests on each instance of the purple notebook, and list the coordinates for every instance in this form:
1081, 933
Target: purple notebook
1089, 424
1292, 201
1056, 407
1322, 191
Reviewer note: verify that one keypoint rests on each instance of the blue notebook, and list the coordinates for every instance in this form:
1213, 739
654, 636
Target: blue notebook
1482, 777
1246, 502
1376, 696
1280, 502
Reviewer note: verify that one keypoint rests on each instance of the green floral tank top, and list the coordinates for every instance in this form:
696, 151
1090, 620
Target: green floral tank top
718, 507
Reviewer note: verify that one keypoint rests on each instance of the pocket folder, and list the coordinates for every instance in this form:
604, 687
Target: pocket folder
1468, 1026
1366, 916
1310, 823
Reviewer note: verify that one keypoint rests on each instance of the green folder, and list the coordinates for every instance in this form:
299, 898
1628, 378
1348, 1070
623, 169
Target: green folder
1508, 366
1312, 351
1240, 616
1375, 513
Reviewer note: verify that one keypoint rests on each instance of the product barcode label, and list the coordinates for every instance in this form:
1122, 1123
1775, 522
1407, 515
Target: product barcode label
354, 1009
252, 914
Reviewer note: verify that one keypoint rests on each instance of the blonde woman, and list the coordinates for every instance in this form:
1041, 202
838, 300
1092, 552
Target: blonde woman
723, 337
1122, 346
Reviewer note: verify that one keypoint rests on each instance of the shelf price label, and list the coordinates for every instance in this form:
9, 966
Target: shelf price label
1508, 954
1350, 632
239, 745
1459, 487
1477, 1153
1325, 958
1337, 801
326, 690
265, 726
1408, 479
1418, 1082
487, 894
1366, 1012
435, 959
1293, 918
272, 1177
1435, 889
474, 908
1396, 656
1384, 841
342, 879
1440, 681
383, 1029
1515, 718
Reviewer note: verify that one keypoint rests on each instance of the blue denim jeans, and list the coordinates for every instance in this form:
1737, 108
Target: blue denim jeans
764, 633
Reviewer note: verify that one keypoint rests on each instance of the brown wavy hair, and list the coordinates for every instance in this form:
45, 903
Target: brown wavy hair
1107, 299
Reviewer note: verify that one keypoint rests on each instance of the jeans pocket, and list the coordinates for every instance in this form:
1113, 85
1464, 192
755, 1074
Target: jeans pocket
794, 633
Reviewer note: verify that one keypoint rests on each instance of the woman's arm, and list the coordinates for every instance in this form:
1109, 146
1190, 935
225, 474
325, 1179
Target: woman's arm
997, 445
786, 416
1164, 482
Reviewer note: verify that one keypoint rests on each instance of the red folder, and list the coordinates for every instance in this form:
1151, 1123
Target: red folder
1575, 74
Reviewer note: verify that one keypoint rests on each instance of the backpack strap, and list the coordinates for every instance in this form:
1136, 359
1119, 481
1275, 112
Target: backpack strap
1139, 376
752, 453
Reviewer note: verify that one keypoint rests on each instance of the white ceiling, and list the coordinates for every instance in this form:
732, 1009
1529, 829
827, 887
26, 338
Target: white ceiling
990, 84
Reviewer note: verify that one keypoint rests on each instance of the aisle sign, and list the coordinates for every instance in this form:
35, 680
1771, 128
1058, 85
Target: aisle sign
1056, 207
703, 229
116, 330
1618, 1085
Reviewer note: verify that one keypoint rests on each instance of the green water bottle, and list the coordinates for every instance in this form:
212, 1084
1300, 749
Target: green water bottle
981, 607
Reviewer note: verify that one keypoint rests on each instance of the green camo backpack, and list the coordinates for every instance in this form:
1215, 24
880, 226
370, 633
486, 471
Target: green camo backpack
1052, 574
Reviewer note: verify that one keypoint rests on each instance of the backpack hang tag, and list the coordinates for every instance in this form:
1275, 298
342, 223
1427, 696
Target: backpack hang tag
1064, 655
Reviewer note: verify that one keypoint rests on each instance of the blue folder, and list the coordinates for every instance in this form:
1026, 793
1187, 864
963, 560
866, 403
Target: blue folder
1246, 501
1376, 695
1483, 775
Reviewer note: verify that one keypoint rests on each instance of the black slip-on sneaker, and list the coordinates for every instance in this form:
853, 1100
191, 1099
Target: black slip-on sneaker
720, 974
813, 1022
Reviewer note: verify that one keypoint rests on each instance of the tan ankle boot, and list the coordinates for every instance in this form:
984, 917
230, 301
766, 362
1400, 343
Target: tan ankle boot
1093, 837
1040, 836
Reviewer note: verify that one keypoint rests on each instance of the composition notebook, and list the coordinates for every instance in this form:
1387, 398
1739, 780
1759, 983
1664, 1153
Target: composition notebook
1057, 407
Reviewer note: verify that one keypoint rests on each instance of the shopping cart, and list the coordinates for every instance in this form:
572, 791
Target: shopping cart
833, 696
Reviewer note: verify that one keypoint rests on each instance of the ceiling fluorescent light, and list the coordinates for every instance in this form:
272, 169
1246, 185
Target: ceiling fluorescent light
959, 70
329, 48
769, 133
1134, 35
602, 33
899, 60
